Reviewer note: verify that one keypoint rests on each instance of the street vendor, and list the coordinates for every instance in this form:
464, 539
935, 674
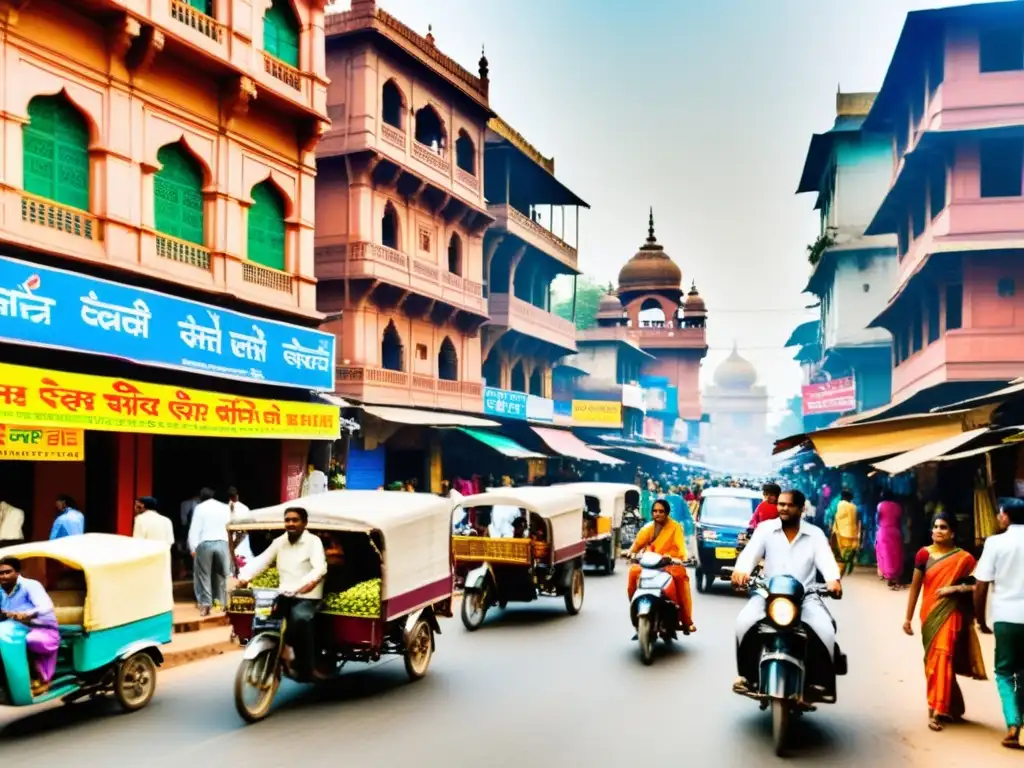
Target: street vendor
26, 600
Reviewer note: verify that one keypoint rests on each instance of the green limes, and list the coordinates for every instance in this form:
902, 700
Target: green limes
269, 579
362, 600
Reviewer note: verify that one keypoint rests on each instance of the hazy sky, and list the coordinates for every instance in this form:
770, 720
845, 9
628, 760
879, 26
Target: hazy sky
703, 109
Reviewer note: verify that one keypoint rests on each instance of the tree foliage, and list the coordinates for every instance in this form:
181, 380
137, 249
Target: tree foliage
588, 296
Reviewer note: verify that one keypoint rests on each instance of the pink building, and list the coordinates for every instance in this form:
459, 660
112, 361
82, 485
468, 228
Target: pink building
953, 102
168, 146
402, 214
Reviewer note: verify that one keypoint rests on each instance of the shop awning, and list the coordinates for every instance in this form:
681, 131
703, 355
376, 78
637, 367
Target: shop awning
334, 400
416, 417
503, 445
1016, 387
927, 452
654, 453
974, 452
567, 444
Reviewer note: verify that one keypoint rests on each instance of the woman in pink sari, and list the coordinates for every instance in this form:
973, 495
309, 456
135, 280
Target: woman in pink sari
889, 540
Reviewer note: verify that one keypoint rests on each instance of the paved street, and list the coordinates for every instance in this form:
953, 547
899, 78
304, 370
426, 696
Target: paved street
532, 686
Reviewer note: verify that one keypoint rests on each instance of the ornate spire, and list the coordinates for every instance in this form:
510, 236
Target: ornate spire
430, 33
485, 69
693, 287
650, 227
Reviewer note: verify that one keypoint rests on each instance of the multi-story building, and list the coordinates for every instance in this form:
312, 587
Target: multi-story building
737, 437
952, 104
156, 188
524, 338
852, 273
402, 214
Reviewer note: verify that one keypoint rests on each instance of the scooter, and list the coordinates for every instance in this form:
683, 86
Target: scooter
653, 614
791, 675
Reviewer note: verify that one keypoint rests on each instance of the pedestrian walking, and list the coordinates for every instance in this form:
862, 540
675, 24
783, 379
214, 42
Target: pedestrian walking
208, 543
889, 540
848, 530
150, 524
70, 521
1001, 572
951, 646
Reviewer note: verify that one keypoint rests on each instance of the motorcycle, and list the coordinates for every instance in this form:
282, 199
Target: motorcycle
791, 675
653, 614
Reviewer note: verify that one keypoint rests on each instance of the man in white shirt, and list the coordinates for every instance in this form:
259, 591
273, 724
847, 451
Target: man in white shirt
12, 524
150, 524
1002, 567
243, 552
302, 565
314, 482
208, 543
789, 547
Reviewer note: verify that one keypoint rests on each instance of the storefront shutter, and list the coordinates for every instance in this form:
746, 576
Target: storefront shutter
365, 469
56, 152
266, 227
178, 193
281, 33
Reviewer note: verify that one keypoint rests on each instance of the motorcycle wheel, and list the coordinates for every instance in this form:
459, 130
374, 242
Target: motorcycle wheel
780, 725
474, 608
701, 584
645, 636
262, 676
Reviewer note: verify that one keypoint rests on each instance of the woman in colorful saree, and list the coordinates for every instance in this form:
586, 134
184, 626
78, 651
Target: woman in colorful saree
665, 537
942, 573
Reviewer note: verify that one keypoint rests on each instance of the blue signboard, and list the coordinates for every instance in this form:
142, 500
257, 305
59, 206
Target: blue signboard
66, 310
502, 402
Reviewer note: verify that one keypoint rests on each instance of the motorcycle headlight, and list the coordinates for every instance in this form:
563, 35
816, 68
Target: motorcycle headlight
782, 611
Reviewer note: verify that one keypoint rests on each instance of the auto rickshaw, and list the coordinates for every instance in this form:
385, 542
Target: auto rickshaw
114, 603
606, 505
407, 561
543, 557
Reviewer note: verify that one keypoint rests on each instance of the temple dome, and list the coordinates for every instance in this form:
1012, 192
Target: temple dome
609, 306
650, 268
694, 304
736, 372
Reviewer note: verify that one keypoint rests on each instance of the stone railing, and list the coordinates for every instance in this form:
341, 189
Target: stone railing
374, 252
392, 135
359, 374
266, 277
46, 213
467, 179
549, 320
377, 252
182, 251
286, 73
184, 13
529, 224
435, 160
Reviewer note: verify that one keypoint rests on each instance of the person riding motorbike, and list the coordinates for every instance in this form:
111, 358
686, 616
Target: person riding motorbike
665, 537
793, 547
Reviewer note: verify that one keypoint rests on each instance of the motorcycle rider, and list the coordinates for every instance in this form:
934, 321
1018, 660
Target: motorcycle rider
793, 547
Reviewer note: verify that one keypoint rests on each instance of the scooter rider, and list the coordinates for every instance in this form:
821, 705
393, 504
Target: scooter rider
789, 547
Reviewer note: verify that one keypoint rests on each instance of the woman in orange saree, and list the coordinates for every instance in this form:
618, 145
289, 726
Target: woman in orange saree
665, 536
941, 575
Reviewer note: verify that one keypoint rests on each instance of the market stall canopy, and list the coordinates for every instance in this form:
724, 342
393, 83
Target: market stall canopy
503, 445
653, 453
417, 417
330, 399
567, 444
1016, 387
927, 452
838, 446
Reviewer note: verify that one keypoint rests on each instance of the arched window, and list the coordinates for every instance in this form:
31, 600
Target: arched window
266, 226
389, 227
537, 382
392, 351
178, 194
430, 129
392, 104
281, 33
492, 369
652, 313
465, 153
518, 383
447, 361
55, 146
455, 254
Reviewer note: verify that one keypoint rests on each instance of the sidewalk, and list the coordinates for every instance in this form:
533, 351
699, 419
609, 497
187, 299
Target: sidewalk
195, 637
887, 672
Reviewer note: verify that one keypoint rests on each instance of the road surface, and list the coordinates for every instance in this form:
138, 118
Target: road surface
536, 686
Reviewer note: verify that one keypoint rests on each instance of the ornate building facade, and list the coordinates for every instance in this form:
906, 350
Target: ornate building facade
737, 437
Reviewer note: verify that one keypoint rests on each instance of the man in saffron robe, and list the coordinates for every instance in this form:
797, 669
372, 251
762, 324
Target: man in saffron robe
665, 537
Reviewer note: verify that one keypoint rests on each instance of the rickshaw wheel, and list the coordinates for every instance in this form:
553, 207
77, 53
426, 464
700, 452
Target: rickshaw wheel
135, 682
419, 650
574, 597
474, 608
267, 688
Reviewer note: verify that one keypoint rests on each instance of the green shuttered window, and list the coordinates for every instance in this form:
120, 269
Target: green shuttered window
203, 6
281, 33
178, 193
266, 226
56, 152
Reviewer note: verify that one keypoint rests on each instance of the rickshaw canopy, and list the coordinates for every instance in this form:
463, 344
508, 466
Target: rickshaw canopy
611, 497
563, 509
416, 528
126, 579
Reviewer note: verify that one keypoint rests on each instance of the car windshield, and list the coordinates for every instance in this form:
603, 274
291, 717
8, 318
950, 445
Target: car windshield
727, 510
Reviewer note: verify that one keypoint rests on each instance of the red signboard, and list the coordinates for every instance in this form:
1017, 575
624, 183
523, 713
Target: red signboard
836, 396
